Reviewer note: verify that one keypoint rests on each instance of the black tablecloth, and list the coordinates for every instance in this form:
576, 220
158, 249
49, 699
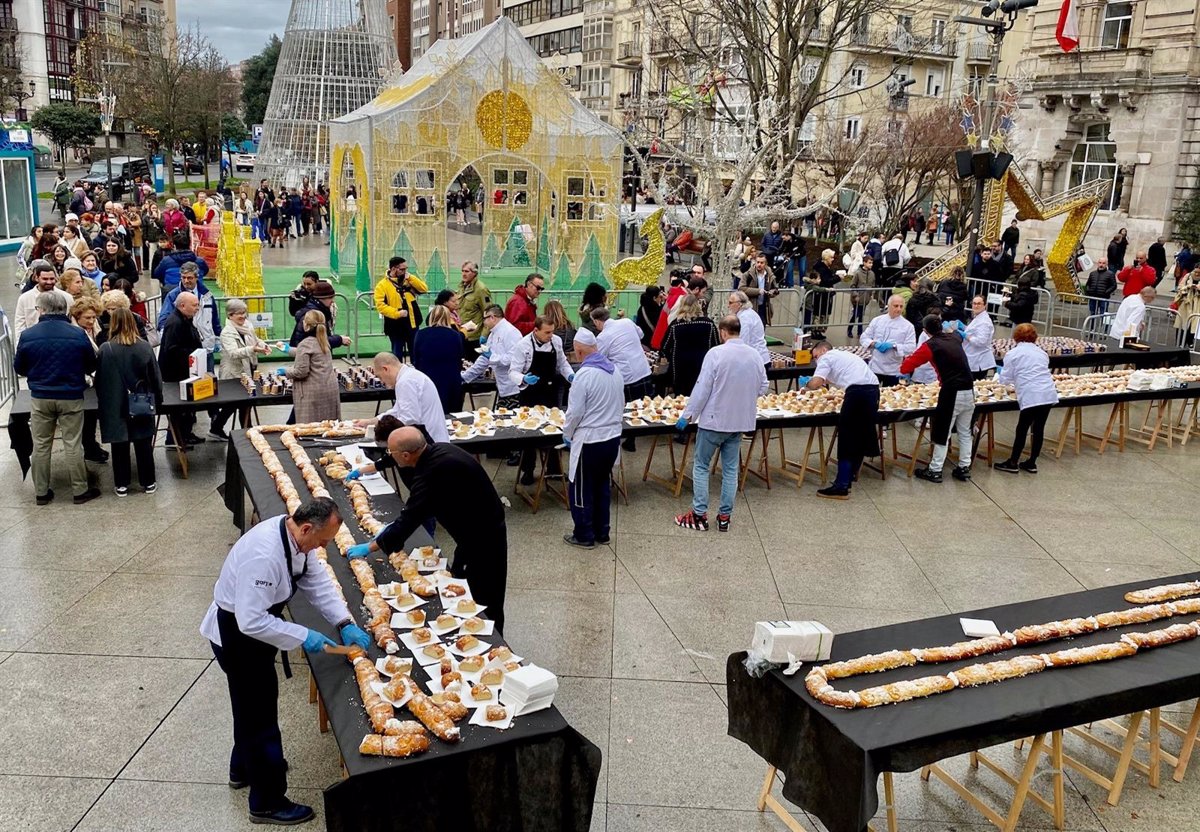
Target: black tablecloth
539, 774
1141, 359
831, 758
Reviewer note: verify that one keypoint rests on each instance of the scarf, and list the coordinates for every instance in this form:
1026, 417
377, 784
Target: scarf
249, 338
598, 361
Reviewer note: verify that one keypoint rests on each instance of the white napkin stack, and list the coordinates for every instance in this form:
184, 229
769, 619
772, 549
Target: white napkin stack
528, 689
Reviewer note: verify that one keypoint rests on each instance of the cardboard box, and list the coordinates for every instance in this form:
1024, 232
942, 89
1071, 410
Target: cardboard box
808, 641
198, 388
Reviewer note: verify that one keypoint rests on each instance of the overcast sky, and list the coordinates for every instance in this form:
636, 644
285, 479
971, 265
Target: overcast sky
236, 27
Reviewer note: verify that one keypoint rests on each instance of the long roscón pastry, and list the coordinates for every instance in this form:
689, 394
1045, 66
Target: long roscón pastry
818, 680
401, 745
431, 716
379, 711
1165, 592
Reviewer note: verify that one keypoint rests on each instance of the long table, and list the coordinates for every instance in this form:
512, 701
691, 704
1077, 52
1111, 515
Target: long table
831, 758
539, 774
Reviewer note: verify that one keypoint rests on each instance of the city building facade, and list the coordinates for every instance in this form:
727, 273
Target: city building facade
1124, 107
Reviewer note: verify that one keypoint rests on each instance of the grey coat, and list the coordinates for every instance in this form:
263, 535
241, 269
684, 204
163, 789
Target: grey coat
124, 368
315, 389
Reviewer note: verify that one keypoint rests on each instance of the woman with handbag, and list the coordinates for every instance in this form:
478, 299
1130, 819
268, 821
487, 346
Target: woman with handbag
315, 386
129, 390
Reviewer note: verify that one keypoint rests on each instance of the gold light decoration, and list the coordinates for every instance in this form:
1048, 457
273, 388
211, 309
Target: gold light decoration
647, 269
1080, 204
504, 120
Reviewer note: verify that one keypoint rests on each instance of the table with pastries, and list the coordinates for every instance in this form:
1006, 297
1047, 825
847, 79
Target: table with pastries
539, 773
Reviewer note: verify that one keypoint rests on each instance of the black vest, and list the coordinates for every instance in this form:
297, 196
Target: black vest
950, 362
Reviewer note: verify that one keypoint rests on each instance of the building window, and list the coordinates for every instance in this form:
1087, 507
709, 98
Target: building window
853, 125
858, 77
904, 23
1114, 32
1095, 157
935, 80
938, 35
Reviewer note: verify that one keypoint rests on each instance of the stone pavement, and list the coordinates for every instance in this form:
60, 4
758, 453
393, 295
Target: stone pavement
117, 717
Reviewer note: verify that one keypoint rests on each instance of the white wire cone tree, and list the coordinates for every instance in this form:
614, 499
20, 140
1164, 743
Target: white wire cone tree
335, 57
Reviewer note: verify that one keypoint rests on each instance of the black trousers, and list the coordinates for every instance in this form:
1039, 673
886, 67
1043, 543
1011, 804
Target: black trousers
143, 449
484, 563
90, 421
591, 490
257, 756
1031, 418
980, 374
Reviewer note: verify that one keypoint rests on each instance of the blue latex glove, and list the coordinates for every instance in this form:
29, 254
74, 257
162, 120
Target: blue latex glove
286, 348
906, 376
315, 642
353, 475
530, 378
947, 326
281, 371
960, 329
803, 380
884, 346
681, 424
570, 377
487, 352
358, 550
353, 634
566, 442
482, 340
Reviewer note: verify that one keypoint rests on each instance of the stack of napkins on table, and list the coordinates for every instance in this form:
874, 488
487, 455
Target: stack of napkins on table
528, 689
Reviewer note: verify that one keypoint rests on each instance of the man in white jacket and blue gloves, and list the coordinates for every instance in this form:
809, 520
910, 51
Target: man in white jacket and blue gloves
593, 433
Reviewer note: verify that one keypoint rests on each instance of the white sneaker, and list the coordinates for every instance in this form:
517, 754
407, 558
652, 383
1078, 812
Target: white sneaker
122, 491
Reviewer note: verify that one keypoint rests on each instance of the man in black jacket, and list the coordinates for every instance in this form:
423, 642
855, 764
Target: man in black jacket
1101, 283
450, 485
179, 339
956, 399
1010, 239
321, 300
1156, 258
302, 294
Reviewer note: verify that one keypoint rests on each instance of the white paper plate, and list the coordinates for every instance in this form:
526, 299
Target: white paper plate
378, 688
380, 666
420, 602
452, 608
478, 650
489, 627
469, 700
441, 631
477, 718
400, 622
416, 646
423, 660
393, 588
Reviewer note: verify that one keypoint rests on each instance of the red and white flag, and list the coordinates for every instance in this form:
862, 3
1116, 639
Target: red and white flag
1067, 31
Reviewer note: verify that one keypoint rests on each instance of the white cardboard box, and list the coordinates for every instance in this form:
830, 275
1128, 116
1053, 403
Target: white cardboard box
808, 641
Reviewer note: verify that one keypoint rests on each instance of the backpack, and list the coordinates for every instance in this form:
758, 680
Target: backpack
891, 257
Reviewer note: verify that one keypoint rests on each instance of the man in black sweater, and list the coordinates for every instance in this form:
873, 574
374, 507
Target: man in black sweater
179, 339
956, 399
450, 485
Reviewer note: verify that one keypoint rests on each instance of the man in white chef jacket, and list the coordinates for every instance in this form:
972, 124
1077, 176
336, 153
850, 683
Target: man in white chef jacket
592, 430
724, 404
620, 341
262, 572
752, 335
417, 402
977, 339
890, 336
499, 348
1131, 316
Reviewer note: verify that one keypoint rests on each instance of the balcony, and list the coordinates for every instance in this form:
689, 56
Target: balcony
898, 104
661, 45
1083, 68
8, 24
893, 41
653, 105
629, 53
979, 53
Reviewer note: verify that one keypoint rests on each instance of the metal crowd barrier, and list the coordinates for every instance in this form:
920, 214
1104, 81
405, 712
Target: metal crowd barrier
9, 381
271, 320
1193, 329
1160, 330
1077, 315
993, 292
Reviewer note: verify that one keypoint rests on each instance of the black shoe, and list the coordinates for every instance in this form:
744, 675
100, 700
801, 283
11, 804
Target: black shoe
1007, 466
834, 492
570, 538
1028, 466
237, 783
193, 439
629, 445
927, 475
527, 479
86, 497
961, 474
97, 455
722, 522
513, 460
44, 499
291, 815
218, 435
602, 541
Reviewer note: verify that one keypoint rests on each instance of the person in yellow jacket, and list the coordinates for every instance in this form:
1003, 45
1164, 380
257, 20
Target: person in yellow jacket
396, 301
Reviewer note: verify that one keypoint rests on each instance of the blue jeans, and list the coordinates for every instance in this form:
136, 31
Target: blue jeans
1097, 306
949, 238
708, 442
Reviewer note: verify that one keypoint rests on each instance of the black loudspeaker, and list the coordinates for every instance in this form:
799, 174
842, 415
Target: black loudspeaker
962, 160
981, 164
1000, 164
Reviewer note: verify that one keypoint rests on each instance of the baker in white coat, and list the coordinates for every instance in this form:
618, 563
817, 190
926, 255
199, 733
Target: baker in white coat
262, 572
1027, 369
417, 401
977, 339
620, 341
592, 431
498, 344
753, 334
891, 337
1131, 316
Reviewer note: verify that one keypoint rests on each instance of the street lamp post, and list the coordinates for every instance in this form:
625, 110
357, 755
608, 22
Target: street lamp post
108, 108
984, 164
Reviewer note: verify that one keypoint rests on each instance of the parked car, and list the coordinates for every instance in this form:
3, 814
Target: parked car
194, 164
244, 161
124, 170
